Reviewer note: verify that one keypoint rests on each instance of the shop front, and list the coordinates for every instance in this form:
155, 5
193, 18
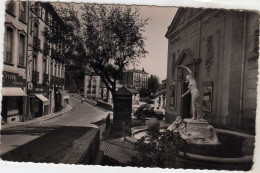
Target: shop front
14, 97
39, 102
64, 97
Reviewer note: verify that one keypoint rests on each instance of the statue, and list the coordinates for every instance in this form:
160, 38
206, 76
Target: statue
195, 94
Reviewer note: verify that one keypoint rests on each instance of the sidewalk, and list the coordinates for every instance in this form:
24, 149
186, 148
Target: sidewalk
36, 120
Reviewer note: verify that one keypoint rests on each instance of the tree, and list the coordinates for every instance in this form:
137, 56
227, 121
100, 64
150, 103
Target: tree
113, 39
63, 34
144, 93
153, 84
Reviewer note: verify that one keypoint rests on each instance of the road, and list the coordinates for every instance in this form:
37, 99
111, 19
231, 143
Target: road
81, 115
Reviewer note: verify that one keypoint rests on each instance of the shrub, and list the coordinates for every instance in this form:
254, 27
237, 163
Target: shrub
158, 149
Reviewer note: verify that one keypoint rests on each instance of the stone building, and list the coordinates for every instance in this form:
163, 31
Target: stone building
92, 86
45, 74
33, 75
14, 67
221, 49
135, 78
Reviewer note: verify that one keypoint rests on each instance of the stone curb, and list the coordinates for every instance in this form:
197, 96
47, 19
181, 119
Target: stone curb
43, 118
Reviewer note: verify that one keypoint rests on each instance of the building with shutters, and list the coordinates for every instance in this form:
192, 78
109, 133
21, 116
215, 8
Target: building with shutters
33, 73
14, 59
221, 49
135, 78
46, 70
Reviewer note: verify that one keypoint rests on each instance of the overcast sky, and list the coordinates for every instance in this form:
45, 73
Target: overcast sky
156, 44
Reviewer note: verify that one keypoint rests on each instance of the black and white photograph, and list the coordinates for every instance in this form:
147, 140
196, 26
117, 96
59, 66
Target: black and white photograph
129, 85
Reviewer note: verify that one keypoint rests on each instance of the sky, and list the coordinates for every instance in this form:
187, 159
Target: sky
156, 44
160, 18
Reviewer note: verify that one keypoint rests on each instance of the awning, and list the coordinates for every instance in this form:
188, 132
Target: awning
12, 91
43, 99
64, 94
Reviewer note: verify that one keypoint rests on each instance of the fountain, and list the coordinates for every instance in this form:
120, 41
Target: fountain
207, 147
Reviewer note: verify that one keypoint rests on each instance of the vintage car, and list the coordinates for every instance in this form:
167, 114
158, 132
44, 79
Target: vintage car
148, 111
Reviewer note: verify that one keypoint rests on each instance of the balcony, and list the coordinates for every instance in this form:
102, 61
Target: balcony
35, 77
46, 49
36, 43
45, 78
57, 81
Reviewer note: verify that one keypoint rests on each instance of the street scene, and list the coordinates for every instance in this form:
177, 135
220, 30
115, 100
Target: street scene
140, 86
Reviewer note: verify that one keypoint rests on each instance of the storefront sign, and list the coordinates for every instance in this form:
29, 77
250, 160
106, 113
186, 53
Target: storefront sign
207, 96
13, 80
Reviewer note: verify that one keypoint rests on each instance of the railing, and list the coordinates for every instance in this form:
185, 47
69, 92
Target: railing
35, 76
36, 43
57, 80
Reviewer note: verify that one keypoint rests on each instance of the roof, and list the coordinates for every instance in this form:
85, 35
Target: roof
133, 91
137, 71
181, 18
123, 92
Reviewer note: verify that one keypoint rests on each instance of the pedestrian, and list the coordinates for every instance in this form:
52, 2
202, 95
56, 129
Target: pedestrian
82, 100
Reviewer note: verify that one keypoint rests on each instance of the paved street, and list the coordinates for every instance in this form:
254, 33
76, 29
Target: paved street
81, 115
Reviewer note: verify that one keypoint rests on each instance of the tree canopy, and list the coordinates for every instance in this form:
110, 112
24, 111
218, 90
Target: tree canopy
113, 37
153, 84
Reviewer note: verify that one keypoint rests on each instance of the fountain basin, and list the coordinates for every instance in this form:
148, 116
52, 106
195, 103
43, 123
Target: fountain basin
230, 154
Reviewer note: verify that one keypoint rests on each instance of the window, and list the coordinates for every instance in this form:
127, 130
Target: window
46, 17
35, 62
11, 7
55, 70
37, 8
51, 68
9, 45
35, 30
22, 10
21, 50
44, 66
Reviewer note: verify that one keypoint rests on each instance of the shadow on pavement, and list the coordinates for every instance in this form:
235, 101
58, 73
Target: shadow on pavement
29, 130
49, 148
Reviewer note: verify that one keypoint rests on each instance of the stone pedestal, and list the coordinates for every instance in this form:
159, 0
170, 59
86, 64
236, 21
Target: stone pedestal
196, 131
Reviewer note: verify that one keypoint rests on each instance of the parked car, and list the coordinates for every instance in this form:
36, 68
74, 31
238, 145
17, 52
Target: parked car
148, 112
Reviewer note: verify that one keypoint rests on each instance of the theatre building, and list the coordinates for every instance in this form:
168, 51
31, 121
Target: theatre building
221, 49
14, 58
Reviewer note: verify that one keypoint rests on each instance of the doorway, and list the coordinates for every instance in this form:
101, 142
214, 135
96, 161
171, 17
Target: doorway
186, 101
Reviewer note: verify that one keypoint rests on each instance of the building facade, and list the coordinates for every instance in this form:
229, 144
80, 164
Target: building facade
159, 100
135, 79
221, 49
33, 75
14, 67
45, 74
92, 86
